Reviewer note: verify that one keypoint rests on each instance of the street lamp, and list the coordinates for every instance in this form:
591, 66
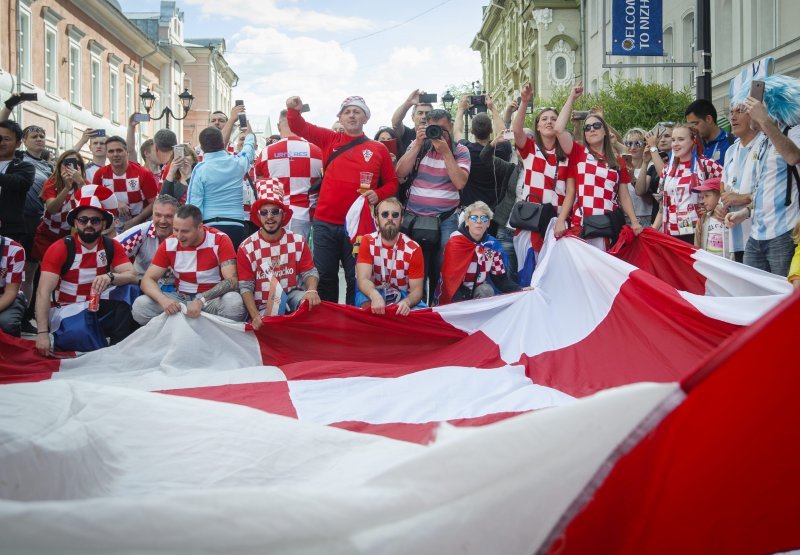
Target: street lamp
447, 100
149, 100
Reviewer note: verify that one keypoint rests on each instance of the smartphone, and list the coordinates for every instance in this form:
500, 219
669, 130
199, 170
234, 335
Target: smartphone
71, 163
628, 158
242, 120
508, 135
305, 108
428, 98
99, 133
477, 100
27, 97
141, 117
177, 151
239, 102
757, 90
580, 114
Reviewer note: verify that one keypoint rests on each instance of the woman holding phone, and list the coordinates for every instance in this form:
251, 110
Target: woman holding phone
176, 183
57, 194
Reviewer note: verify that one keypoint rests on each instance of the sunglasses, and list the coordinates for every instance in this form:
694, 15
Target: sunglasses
482, 219
83, 220
545, 108
633, 144
385, 215
590, 126
269, 212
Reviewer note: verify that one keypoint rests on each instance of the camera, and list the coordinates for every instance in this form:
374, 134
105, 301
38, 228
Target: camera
434, 132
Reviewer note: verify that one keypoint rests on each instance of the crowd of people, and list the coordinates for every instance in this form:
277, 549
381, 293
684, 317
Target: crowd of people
93, 247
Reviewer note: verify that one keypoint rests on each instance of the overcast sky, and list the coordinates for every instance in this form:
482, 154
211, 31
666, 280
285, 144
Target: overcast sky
379, 50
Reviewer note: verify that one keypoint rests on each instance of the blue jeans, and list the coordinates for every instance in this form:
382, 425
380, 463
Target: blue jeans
332, 246
505, 237
770, 255
432, 257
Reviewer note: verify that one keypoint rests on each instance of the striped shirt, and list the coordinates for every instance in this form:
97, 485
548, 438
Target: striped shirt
771, 216
737, 176
432, 192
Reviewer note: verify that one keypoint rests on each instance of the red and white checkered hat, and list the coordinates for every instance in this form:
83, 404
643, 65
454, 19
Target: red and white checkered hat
269, 191
94, 196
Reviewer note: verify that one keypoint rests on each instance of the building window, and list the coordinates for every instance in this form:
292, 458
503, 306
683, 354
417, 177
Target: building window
560, 67
688, 49
74, 72
24, 44
129, 109
50, 60
113, 95
97, 90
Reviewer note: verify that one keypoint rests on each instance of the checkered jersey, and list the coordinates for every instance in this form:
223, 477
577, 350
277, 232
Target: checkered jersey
489, 261
297, 164
196, 269
76, 284
545, 177
680, 206
56, 222
595, 183
134, 188
12, 264
393, 266
259, 260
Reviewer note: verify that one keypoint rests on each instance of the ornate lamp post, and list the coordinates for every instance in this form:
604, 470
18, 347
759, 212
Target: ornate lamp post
149, 99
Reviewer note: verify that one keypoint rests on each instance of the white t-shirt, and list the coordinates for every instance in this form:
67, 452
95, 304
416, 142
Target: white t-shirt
712, 236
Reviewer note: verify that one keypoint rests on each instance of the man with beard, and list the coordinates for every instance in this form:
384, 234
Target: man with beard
390, 268
203, 261
276, 271
141, 242
134, 186
75, 268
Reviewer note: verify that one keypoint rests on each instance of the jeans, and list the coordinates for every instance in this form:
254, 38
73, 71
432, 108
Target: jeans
432, 257
332, 246
11, 317
230, 305
505, 237
770, 255
300, 227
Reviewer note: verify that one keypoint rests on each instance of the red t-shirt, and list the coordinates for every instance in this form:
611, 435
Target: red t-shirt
341, 181
137, 188
76, 285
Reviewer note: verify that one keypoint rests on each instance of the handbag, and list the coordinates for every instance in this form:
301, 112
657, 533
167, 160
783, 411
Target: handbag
532, 216
422, 229
606, 225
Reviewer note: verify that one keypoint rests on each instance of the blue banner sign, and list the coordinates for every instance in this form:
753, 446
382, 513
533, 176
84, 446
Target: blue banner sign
636, 28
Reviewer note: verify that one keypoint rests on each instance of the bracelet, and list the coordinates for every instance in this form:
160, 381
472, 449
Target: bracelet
310, 291
45, 331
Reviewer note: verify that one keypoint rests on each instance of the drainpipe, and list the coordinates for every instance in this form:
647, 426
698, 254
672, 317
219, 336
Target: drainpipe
19, 63
584, 63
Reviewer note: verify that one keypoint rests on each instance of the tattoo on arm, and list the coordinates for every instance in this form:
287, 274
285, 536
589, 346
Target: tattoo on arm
224, 286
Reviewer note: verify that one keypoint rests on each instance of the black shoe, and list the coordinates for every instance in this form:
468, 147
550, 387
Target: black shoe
27, 327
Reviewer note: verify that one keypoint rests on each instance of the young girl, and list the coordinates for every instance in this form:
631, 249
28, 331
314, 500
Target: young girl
710, 232
680, 209
601, 179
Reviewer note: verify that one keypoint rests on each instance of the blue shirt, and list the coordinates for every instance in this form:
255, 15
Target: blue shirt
716, 148
216, 183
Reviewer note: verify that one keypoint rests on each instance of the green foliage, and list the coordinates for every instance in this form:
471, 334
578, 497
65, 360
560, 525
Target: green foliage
457, 91
627, 104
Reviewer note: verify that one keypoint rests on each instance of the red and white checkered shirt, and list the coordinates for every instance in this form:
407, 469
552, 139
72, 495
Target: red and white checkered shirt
681, 207
12, 264
392, 266
56, 222
489, 261
297, 164
75, 285
259, 260
545, 177
196, 269
134, 188
595, 183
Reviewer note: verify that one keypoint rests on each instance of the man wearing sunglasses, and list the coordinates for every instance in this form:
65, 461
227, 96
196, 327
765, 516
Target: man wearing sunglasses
390, 268
73, 273
276, 271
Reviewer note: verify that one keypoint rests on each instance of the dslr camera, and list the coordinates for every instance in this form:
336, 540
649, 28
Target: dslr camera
434, 132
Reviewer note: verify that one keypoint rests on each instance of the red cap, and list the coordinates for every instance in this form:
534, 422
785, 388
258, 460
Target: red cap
710, 184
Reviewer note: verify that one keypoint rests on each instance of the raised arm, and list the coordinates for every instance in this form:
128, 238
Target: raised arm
518, 125
458, 124
400, 113
563, 136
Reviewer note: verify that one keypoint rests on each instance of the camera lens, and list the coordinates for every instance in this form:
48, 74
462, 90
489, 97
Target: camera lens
433, 132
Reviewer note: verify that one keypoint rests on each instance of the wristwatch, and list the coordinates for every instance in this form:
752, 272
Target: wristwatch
111, 277
653, 149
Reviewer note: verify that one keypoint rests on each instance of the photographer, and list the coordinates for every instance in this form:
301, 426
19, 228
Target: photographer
418, 116
485, 181
437, 169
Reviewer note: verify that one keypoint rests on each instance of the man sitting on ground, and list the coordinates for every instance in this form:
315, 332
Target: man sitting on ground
79, 266
141, 242
276, 272
203, 262
12, 273
390, 266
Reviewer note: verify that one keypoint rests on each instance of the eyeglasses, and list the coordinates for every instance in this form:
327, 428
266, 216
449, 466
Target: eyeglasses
385, 215
269, 212
482, 219
633, 144
83, 220
590, 126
